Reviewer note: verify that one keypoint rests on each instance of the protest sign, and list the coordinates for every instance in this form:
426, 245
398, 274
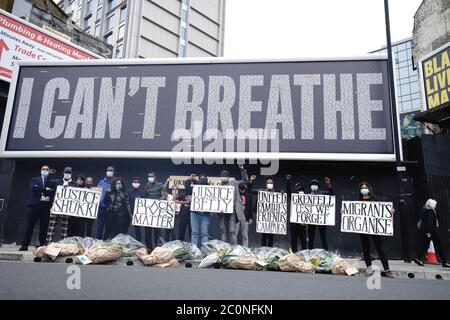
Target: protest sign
154, 213
368, 217
271, 215
313, 209
76, 202
206, 198
179, 181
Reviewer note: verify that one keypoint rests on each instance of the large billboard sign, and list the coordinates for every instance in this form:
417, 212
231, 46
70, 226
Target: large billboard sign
435, 77
336, 109
20, 40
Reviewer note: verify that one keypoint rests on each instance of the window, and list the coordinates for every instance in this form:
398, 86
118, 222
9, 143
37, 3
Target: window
109, 22
89, 6
405, 89
183, 33
108, 38
87, 21
403, 73
99, 13
402, 56
111, 4
121, 32
123, 14
97, 31
183, 15
119, 51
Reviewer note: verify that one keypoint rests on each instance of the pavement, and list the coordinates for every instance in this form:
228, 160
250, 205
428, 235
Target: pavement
399, 268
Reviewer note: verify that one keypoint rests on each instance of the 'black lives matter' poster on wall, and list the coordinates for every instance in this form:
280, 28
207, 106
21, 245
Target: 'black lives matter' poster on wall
368, 217
271, 214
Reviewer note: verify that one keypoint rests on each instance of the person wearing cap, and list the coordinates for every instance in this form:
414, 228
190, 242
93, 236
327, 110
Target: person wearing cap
228, 222
314, 186
298, 230
66, 181
39, 203
200, 220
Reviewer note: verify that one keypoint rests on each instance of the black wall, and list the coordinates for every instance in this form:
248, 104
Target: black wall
345, 178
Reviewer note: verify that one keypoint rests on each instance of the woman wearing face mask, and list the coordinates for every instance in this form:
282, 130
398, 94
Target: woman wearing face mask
118, 207
135, 192
105, 185
366, 194
267, 238
429, 229
76, 225
297, 229
314, 185
200, 220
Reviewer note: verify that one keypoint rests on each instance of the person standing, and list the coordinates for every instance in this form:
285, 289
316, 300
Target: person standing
245, 192
267, 238
228, 222
105, 184
314, 186
119, 210
429, 231
39, 203
76, 224
298, 230
184, 218
65, 182
200, 220
153, 190
172, 195
366, 194
86, 224
133, 193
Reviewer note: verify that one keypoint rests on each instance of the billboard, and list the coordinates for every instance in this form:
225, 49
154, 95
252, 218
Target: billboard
336, 109
434, 70
20, 40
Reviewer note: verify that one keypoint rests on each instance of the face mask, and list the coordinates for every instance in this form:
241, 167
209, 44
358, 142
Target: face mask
224, 179
44, 173
364, 191
302, 192
80, 183
151, 179
136, 185
314, 187
118, 186
109, 174
67, 176
269, 186
89, 185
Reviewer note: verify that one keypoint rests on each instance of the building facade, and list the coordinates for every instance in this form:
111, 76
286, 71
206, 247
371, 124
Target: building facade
407, 87
153, 28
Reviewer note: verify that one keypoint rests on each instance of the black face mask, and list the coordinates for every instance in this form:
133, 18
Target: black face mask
203, 181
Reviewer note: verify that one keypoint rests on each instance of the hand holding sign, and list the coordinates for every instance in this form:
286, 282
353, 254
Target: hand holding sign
252, 178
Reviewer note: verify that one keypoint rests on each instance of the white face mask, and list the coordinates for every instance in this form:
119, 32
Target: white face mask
109, 174
136, 185
269, 186
44, 173
151, 179
301, 192
67, 176
224, 179
314, 187
364, 191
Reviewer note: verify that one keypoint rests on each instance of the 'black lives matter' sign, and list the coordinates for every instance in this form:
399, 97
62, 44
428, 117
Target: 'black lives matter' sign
271, 214
368, 217
154, 213
313, 209
206, 198
76, 202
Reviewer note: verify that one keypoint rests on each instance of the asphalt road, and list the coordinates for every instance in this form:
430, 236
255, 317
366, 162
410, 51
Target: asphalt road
21, 280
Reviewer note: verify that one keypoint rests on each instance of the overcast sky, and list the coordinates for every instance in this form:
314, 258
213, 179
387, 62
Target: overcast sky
313, 28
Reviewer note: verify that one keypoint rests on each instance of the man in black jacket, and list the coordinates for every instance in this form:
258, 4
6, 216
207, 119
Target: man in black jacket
297, 229
133, 193
39, 204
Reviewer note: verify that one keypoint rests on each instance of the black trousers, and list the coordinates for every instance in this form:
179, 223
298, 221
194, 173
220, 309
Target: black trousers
137, 231
297, 230
267, 240
75, 227
86, 227
312, 233
184, 223
41, 213
126, 225
365, 241
152, 237
425, 244
117, 223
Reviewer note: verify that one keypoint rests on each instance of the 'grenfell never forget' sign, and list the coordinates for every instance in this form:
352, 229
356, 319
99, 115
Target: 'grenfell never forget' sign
154, 213
367, 217
271, 214
206, 198
76, 202
202, 107
313, 209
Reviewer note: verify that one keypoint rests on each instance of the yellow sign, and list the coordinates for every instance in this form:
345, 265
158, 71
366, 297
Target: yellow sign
436, 77
179, 181
55, 32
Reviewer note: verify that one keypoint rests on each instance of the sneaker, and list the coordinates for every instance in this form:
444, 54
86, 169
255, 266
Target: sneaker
446, 265
418, 262
388, 274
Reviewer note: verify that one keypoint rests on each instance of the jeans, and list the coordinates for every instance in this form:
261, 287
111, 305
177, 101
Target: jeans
200, 226
242, 227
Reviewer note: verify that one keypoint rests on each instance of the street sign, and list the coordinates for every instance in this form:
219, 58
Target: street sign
20, 40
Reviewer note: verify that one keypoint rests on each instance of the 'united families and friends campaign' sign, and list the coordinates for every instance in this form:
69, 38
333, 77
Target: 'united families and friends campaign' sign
313, 209
271, 214
207, 198
369, 217
154, 213
76, 202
